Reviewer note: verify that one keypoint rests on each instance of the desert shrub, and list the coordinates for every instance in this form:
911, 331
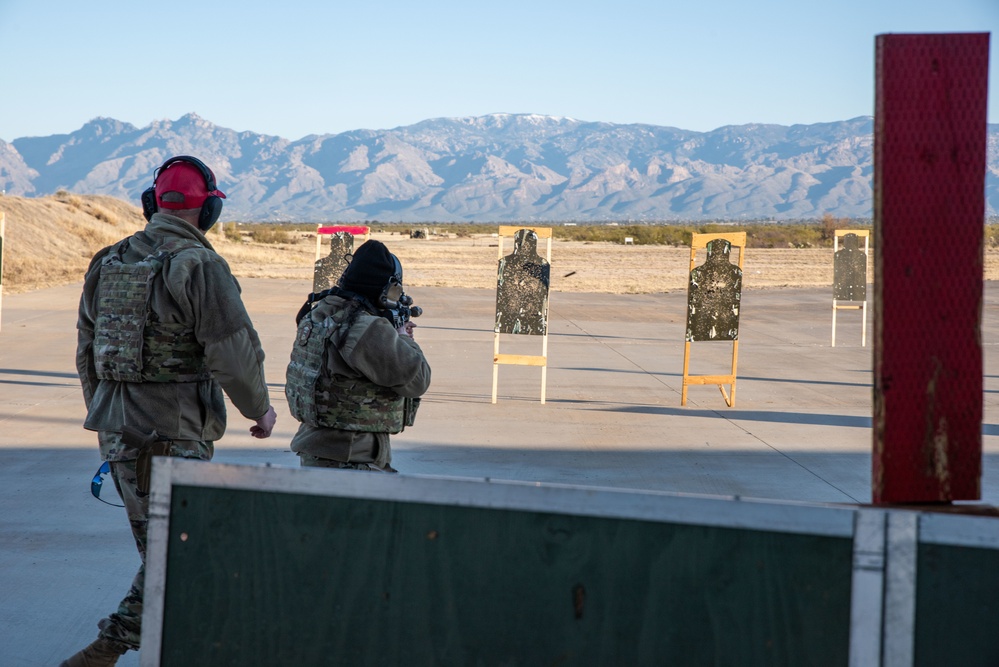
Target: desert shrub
787, 236
102, 215
671, 235
992, 235
791, 234
95, 238
758, 235
270, 235
230, 230
70, 200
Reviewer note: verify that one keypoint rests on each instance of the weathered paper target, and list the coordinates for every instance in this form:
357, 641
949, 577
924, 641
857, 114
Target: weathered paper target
328, 268
714, 295
714, 304
850, 271
522, 282
522, 286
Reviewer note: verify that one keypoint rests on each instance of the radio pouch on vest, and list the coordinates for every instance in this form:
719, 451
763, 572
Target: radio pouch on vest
409, 407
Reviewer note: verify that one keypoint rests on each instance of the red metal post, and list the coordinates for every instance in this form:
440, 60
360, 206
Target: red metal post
929, 211
356, 230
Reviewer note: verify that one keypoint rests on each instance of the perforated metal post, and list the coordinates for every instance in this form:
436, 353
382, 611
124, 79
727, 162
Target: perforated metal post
929, 210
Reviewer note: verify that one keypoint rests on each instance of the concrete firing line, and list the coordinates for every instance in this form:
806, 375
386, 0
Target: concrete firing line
797, 463
597, 339
716, 412
70, 389
28, 318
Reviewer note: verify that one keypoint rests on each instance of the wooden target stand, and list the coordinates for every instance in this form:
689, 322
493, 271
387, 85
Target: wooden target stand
738, 240
327, 230
523, 359
852, 305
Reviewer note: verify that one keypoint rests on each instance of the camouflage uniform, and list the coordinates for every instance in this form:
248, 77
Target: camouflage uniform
350, 381
197, 340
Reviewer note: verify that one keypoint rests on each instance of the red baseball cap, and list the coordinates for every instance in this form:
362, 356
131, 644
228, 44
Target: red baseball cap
187, 180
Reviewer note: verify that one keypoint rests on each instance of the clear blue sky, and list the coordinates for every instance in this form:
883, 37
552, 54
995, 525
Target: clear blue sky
297, 67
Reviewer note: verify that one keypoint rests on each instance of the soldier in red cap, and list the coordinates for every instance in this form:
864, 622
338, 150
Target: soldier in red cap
162, 332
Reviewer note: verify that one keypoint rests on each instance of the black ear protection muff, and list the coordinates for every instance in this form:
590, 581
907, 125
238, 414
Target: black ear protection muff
210, 210
392, 292
148, 200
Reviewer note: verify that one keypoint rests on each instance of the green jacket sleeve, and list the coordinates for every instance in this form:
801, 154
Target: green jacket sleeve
86, 316
222, 325
377, 351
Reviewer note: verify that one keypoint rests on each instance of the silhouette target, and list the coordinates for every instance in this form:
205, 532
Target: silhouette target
328, 269
714, 294
850, 271
522, 288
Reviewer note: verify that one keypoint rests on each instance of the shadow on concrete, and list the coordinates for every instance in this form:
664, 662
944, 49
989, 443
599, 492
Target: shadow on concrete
36, 373
740, 378
26, 383
810, 419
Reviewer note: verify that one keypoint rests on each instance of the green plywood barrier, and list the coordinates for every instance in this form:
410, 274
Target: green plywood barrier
258, 566
264, 578
957, 613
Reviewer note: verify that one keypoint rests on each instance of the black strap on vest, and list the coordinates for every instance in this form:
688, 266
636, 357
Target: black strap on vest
336, 291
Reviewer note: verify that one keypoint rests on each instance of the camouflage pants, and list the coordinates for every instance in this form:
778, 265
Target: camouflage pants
124, 626
310, 461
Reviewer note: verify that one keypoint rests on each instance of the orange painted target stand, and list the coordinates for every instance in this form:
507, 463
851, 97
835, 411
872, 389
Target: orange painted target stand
719, 302
523, 279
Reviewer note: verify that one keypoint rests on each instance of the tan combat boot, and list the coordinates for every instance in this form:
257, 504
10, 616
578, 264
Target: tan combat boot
101, 653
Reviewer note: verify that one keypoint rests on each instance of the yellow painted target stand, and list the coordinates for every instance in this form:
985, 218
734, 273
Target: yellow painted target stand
701, 241
539, 308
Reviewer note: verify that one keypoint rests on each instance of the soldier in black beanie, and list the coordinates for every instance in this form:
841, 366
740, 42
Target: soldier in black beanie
370, 271
353, 378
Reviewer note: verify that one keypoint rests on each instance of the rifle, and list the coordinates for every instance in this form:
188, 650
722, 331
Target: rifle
401, 311
397, 312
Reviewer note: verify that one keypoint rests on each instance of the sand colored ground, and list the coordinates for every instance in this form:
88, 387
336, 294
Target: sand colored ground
49, 241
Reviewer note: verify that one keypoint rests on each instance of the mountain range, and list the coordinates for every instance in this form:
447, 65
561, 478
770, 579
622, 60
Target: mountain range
494, 168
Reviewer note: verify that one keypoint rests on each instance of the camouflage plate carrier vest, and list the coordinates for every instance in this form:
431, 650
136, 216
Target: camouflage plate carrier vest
130, 343
346, 403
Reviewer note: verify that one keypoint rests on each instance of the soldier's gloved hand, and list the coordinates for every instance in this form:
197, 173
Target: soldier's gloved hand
407, 328
264, 425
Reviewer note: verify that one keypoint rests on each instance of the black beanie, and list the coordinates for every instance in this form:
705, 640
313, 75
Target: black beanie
369, 271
